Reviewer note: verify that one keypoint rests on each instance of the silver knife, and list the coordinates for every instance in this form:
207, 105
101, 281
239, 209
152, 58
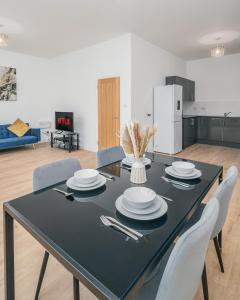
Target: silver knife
108, 223
125, 227
106, 175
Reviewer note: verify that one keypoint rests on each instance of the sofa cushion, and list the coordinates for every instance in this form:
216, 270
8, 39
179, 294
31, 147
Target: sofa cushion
17, 141
19, 128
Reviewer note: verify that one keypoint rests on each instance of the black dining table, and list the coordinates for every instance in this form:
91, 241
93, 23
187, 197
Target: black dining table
111, 265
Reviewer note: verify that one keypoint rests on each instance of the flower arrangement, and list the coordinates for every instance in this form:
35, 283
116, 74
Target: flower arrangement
136, 139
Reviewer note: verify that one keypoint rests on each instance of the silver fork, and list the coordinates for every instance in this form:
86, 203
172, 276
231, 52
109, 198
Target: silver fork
108, 223
66, 194
124, 226
175, 182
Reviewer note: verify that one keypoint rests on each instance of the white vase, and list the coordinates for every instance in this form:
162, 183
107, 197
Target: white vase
138, 172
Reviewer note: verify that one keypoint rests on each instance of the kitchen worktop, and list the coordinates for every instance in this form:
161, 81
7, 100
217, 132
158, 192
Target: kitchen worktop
208, 116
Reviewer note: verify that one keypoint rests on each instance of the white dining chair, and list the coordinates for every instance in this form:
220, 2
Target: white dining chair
109, 155
185, 266
43, 177
224, 195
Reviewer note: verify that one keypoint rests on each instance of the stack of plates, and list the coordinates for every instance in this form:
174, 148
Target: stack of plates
183, 170
129, 160
86, 180
140, 203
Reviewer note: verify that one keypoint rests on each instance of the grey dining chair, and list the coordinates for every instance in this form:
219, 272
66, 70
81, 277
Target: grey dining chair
109, 155
185, 266
224, 195
43, 177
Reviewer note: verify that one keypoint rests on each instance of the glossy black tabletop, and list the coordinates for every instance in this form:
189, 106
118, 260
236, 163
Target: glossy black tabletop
113, 263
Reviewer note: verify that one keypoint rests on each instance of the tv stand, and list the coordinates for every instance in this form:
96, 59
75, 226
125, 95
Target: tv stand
68, 140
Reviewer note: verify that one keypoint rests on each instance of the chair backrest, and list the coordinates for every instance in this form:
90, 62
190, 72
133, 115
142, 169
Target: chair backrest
183, 271
224, 195
109, 155
54, 172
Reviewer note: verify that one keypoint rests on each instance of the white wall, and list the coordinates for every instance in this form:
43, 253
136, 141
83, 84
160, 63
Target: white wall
69, 83
35, 93
150, 66
217, 85
80, 72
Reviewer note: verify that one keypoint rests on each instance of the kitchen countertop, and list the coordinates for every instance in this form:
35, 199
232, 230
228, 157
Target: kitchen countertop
208, 116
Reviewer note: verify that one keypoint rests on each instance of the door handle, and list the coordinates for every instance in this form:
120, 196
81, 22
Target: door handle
115, 118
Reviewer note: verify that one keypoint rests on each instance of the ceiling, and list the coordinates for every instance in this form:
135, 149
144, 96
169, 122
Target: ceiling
49, 28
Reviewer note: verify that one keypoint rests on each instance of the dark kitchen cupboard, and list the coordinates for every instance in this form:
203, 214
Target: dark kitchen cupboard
189, 131
188, 86
215, 129
209, 130
231, 130
212, 130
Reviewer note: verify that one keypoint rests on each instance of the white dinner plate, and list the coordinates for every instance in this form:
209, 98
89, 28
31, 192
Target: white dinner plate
146, 161
157, 202
170, 171
86, 185
156, 215
190, 175
71, 184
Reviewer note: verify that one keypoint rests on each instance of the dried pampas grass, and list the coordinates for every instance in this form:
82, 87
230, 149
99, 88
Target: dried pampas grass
135, 140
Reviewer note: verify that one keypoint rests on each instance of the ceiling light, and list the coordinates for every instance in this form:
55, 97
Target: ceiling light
217, 51
3, 40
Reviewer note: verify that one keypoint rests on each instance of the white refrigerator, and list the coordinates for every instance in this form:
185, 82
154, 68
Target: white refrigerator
167, 108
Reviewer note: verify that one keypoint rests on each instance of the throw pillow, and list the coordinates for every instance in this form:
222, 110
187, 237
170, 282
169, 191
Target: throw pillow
19, 128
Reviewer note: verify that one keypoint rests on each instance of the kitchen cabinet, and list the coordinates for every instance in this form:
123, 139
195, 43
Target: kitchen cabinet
189, 131
212, 130
231, 130
215, 129
202, 128
188, 86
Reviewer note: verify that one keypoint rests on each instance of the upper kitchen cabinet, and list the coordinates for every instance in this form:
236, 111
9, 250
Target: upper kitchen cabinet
188, 86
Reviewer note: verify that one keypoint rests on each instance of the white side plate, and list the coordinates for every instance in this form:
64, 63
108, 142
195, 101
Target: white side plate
146, 161
156, 215
71, 184
170, 171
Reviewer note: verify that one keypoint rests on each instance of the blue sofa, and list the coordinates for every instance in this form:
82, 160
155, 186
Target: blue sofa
11, 140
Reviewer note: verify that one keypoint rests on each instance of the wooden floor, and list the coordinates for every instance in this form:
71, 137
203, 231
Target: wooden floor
16, 179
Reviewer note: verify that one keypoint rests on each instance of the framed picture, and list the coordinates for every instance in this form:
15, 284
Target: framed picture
8, 84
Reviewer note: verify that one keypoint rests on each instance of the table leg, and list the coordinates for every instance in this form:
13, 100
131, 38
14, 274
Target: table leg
51, 139
70, 144
76, 291
77, 141
220, 178
9, 256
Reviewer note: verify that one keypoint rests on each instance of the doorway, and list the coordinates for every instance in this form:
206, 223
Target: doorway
108, 112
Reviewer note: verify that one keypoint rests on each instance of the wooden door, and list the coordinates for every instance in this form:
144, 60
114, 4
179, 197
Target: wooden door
108, 112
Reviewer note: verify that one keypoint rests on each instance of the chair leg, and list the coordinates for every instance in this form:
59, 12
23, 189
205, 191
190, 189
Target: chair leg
219, 255
220, 240
205, 283
76, 293
41, 275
